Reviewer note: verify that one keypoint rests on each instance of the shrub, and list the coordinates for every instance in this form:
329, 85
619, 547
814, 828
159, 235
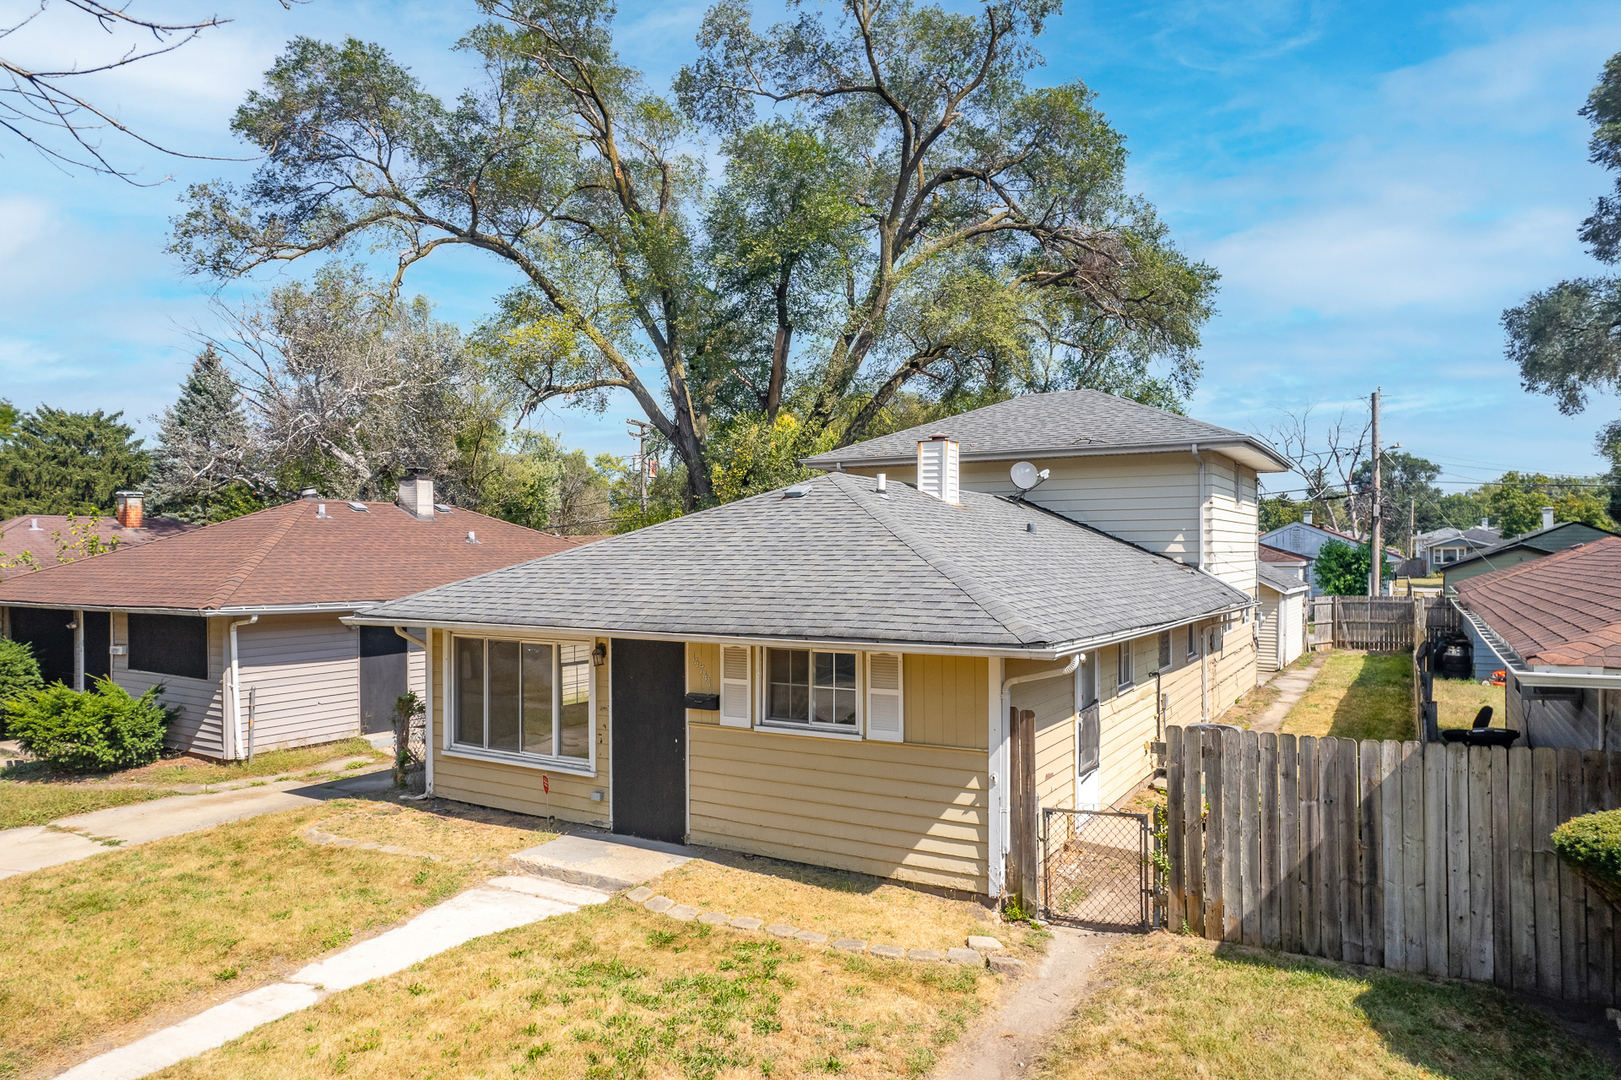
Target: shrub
19, 673
1591, 846
97, 731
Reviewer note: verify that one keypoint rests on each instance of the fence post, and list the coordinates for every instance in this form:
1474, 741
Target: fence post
1174, 770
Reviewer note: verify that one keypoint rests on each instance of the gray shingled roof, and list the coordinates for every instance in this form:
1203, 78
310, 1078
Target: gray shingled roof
1278, 580
842, 563
1066, 422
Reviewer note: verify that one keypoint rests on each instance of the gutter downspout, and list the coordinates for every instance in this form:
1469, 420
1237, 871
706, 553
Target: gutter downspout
427, 717
1005, 800
236, 692
1200, 459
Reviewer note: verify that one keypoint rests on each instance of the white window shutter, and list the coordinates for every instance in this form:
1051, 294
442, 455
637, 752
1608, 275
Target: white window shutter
885, 714
735, 692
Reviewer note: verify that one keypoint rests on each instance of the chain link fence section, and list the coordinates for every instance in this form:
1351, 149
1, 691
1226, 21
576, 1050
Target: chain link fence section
1095, 868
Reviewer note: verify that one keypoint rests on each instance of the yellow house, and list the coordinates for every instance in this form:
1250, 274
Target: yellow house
831, 673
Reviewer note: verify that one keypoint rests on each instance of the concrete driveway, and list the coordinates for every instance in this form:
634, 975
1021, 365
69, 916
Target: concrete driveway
83, 835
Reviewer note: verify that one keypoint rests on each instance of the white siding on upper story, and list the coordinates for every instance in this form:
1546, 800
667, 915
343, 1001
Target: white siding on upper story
1150, 500
1232, 524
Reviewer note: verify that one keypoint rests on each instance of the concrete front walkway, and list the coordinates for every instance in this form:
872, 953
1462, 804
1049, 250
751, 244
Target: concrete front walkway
83, 835
1292, 686
500, 904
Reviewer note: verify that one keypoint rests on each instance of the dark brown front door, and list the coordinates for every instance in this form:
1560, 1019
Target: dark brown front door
649, 739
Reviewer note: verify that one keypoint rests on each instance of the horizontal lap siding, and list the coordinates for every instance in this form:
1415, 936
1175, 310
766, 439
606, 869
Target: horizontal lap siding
1232, 521
1272, 611
304, 672
1148, 499
894, 810
945, 700
1129, 722
200, 727
516, 787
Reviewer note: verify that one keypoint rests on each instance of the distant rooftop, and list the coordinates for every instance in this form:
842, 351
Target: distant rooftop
33, 533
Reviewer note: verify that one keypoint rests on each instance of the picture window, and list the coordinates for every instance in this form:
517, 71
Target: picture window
531, 698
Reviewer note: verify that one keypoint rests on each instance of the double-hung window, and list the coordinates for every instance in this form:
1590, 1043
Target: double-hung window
813, 689
530, 698
1126, 674
1193, 641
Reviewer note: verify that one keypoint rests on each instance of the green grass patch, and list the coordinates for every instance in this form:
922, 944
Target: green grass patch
40, 804
1358, 695
271, 763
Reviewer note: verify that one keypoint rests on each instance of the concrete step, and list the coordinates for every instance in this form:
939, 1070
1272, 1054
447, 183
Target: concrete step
607, 863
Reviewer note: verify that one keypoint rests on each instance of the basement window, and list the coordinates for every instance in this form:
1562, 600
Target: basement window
169, 645
531, 699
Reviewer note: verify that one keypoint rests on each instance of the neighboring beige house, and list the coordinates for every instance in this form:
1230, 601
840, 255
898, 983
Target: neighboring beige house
240, 621
836, 672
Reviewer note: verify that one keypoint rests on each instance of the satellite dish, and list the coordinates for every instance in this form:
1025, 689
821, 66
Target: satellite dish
1024, 475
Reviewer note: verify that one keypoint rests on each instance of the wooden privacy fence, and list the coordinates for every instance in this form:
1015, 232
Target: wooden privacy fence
1378, 624
1427, 858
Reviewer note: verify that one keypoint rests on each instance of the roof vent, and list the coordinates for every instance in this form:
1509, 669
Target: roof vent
1030, 526
798, 491
359, 508
882, 487
442, 508
320, 510
471, 539
33, 525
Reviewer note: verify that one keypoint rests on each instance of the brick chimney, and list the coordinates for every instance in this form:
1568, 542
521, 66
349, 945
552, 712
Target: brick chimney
416, 495
937, 467
129, 508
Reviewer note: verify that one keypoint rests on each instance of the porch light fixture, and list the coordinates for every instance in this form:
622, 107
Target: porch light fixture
599, 654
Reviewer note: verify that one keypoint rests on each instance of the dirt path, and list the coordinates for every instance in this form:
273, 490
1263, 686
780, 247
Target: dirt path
1292, 686
1006, 1042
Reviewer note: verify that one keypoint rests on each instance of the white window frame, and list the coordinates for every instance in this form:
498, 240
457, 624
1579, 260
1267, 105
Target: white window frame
1125, 669
762, 698
1195, 639
550, 763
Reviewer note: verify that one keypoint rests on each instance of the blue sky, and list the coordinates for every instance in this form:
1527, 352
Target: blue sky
1375, 182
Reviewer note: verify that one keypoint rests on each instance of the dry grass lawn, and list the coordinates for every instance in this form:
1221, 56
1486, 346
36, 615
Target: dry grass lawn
32, 794
1173, 1007
99, 948
833, 902
1358, 695
1458, 700
616, 991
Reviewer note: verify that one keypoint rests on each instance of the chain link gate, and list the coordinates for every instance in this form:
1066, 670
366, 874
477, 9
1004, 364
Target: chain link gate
1095, 868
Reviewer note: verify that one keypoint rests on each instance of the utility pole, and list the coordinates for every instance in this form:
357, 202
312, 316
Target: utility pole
638, 431
1376, 546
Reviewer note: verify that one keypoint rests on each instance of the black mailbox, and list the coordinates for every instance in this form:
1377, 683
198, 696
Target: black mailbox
705, 702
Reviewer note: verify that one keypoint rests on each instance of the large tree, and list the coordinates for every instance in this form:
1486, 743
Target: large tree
896, 210
60, 462
1567, 339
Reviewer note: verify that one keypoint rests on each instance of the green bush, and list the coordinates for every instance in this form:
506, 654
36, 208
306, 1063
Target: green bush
97, 731
19, 673
1591, 846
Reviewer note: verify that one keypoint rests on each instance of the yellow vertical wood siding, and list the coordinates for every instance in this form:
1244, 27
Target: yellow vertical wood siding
518, 787
894, 810
703, 677
1052, 701
945, 699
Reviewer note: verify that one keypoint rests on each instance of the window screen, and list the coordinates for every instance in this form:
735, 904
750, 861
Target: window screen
169, 645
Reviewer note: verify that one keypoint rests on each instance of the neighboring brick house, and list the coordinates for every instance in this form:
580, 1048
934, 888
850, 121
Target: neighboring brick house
240, 621
1554, 625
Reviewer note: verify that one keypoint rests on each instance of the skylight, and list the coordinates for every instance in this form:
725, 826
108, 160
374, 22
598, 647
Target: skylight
359, 508
442, 508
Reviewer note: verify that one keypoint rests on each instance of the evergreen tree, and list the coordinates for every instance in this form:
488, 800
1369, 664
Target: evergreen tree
59, 462
201, 466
